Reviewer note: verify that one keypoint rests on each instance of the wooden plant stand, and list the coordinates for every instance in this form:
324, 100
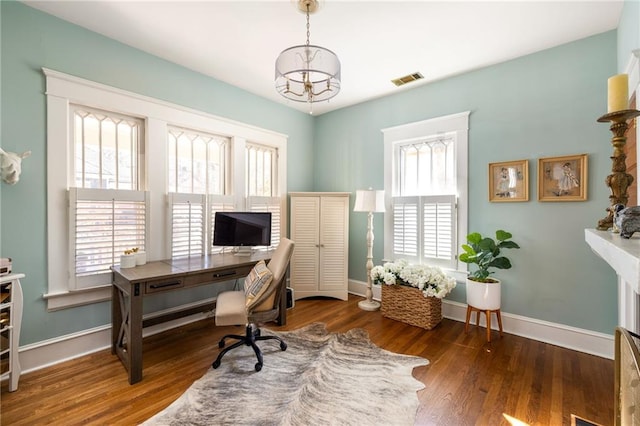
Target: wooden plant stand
487, 312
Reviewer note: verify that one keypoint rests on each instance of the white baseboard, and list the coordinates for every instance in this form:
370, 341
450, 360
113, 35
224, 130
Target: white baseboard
64, 348
577, 339
53, 351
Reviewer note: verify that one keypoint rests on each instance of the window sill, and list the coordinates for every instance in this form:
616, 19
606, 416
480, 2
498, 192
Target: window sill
70, 299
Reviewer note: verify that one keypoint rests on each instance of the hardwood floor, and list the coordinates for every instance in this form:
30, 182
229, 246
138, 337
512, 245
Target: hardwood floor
468, 381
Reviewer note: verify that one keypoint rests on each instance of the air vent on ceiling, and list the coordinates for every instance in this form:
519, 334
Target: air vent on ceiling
407, 79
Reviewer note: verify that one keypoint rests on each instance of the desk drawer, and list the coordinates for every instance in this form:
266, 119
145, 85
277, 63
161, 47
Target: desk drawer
163, 285
218, 276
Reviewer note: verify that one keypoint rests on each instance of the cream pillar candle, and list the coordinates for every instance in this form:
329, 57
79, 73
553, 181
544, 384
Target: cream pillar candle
618, 98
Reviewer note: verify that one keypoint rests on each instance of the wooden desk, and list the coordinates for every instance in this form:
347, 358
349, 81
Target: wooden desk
130, 285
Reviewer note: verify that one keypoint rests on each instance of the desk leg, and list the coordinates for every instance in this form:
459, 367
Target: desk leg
126, 330
116, 318
135, 335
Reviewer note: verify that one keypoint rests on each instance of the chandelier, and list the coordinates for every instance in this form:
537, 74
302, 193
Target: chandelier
307, 73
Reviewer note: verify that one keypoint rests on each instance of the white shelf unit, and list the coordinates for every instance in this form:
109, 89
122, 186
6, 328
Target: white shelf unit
320, 230
10, 320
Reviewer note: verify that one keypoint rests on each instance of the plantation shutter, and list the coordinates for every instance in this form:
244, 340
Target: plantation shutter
424, 229
405, 228
187, 224
217, 203
438, 230
268, 204
103, 223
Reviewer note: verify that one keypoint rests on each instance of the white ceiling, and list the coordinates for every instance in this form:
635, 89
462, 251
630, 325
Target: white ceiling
238, 41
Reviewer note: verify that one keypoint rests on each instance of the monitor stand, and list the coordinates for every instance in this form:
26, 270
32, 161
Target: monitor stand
243, 251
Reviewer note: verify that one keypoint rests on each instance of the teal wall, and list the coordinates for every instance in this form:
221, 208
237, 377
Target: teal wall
628, 33
540, 105
32, 40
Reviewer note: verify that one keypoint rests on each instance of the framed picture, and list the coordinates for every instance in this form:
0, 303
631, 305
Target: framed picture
562, 178
509, 181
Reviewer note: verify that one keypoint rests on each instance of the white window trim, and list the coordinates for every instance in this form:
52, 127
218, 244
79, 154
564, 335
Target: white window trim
63, 90
458, 123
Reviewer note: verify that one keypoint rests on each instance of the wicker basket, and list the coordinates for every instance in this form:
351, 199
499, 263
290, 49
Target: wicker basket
408, 304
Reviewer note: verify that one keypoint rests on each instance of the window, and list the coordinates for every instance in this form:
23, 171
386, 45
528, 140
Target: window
427, 167
261, 182
198, 162
107, 214
261, 164
107, 148
197, 172
425, 179
125, 170
197, 165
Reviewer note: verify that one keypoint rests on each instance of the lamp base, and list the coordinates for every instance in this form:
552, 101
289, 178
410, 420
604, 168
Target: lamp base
369, 305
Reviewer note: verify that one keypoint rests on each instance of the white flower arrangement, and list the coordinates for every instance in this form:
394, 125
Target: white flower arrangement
429, 279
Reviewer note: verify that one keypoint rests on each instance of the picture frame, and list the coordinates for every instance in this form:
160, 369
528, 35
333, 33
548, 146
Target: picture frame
563, 178
509, 181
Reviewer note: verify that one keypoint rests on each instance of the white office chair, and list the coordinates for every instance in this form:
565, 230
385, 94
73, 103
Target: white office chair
254, 305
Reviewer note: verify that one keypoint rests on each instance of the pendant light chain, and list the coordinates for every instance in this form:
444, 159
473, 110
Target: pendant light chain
307, 83
308, 31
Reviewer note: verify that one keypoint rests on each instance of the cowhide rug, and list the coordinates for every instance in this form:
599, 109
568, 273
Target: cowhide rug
321, 379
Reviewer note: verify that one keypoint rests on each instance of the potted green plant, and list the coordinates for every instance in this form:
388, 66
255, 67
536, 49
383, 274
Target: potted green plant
483, 291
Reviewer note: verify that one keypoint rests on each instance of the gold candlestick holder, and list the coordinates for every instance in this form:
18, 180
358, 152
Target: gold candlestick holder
619, 180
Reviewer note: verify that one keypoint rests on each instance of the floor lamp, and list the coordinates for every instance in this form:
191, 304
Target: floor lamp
370, 201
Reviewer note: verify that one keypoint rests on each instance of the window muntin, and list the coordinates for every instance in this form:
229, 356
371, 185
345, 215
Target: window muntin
197, 162
261, 164
427, 167
107, 149
261, 185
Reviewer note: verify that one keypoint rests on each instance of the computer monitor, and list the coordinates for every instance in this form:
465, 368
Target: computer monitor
242, 229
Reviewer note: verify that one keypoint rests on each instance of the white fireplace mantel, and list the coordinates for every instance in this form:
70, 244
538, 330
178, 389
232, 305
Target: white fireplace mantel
623, 255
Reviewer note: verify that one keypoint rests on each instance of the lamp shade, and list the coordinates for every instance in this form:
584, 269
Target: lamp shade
369, 200
308, 73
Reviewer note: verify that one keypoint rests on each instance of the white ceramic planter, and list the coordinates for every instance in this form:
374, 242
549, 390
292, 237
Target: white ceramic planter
141, 258
483, 296
127, 261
